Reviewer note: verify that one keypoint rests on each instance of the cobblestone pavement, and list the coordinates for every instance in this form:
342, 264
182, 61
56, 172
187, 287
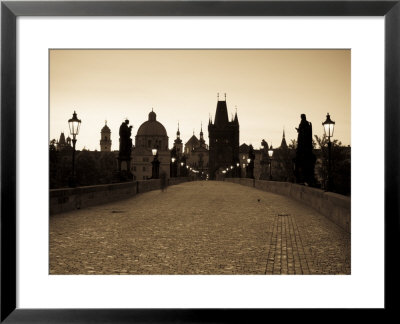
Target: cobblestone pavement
204, 227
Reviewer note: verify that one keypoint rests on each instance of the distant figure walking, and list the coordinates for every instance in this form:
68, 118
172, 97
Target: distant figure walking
163, 179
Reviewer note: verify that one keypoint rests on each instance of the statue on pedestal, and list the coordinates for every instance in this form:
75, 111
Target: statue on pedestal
125, 149
305, 158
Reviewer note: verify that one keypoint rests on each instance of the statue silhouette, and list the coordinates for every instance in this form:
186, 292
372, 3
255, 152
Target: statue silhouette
125, 141
125, 149
305, 158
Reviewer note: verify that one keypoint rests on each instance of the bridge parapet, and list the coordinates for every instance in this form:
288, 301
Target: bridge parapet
68, 199
335, 207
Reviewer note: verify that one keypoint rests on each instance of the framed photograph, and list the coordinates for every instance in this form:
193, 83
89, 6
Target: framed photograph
257, 143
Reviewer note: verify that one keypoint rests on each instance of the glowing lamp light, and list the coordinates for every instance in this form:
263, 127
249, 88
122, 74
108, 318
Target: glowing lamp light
329, 126
248, 160
270, 152
154, 151
173, 159
74, 124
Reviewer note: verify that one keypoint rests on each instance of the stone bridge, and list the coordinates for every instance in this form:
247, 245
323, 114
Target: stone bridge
201, 227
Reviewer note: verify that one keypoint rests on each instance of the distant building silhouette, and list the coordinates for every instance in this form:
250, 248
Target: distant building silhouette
105, 140
151, 134
191, 144
178, 142
223, 140
64, 144
197, 153
284, 145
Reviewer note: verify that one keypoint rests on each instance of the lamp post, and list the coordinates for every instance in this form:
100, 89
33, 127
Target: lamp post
329, 126
173, 159
270, 153
181, 170
74, 125
155, 164
250, 167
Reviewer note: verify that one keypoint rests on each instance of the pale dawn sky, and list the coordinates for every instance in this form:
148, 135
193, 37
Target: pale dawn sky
270, 89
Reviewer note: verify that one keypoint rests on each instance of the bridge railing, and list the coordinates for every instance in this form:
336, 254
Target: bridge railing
68, 199
335, 207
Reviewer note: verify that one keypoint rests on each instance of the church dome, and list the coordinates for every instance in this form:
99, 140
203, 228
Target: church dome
105, 129
151, 127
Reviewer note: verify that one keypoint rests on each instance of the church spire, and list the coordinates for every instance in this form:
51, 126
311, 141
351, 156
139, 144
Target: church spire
283, 143
202, 141
236, 120
178, 141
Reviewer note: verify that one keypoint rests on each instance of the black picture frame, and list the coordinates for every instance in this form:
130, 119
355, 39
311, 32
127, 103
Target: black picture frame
10, 10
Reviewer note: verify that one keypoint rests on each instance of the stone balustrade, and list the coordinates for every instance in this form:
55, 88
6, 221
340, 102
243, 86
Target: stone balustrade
335, 207
67, 199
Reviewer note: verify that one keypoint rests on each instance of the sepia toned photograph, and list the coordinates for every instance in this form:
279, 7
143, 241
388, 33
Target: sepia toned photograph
200, 161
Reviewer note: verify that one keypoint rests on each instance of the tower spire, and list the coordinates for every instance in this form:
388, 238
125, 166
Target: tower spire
236, 120
283, 143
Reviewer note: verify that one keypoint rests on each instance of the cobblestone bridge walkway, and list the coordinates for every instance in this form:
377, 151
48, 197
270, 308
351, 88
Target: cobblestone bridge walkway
198, 228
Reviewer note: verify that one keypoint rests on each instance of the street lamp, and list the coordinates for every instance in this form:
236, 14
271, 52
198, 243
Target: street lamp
270, 153
181, 170
329, 127
155, 164
173, 159
74, 125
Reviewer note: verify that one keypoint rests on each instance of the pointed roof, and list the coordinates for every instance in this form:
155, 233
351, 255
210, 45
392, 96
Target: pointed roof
221, 114
236, 120
283, 143
62, 139
244, 148
193, 141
